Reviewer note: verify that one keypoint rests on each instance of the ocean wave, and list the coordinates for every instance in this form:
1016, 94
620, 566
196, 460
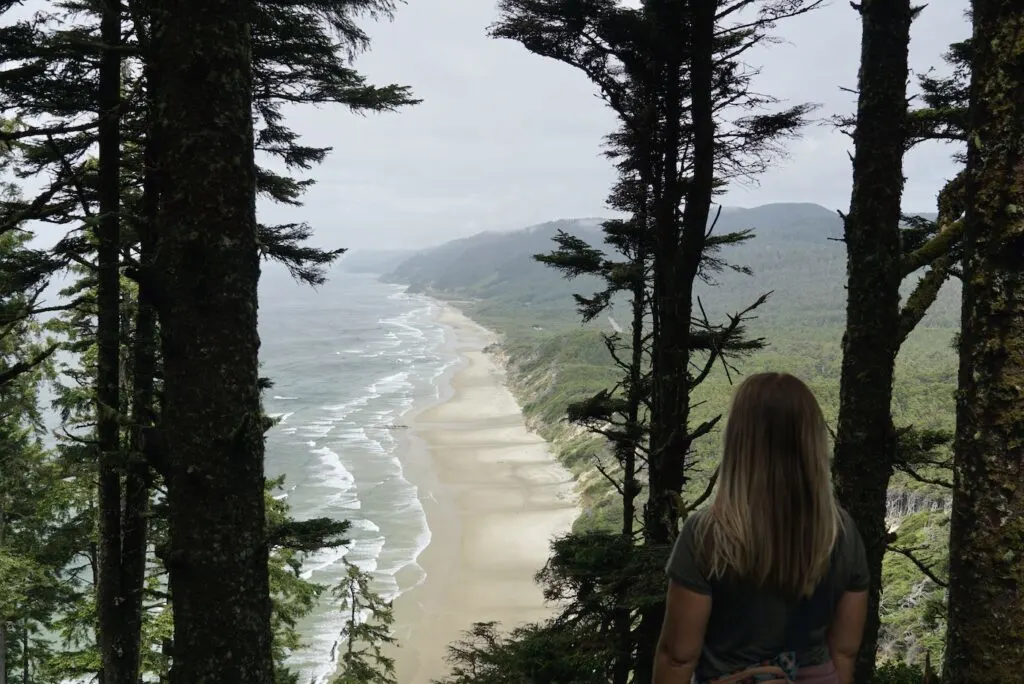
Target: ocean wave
357, 474
336, 473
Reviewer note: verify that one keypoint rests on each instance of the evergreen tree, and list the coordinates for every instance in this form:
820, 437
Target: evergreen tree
986, 612
367, 631
607, 558
31, 490
118, 605
866, 438
884, 247
293, 597
526, 655
205, 276
33, 496
55, 88
672, 73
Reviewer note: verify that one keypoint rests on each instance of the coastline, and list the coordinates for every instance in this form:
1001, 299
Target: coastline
494, 496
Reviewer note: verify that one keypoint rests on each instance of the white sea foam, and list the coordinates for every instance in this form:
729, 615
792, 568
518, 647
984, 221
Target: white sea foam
281, 418
336, 474
355, 472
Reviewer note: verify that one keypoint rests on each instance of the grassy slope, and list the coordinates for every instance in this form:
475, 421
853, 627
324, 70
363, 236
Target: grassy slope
553, 360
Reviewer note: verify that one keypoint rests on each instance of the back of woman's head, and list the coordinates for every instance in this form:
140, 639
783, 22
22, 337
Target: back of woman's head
774, 519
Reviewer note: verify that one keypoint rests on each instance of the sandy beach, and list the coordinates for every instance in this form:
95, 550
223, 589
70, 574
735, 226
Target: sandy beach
494, 497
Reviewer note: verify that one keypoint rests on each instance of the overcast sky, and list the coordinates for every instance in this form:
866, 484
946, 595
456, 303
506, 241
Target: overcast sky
506, 139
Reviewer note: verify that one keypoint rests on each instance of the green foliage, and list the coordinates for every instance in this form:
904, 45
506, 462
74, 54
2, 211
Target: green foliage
528, 655
36, 525
292, 596
794, 253
367, 631
913, 605
898, 673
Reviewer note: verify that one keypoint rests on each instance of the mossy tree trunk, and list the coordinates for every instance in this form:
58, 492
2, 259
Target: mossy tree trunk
986, 605
112, 631
866, 439
688, 43
207, 270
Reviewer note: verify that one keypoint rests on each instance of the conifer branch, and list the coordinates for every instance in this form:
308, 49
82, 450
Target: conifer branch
611, 480
704, 428
706, 494
943, 241
912, 472
923, 296
925, 570
22, 367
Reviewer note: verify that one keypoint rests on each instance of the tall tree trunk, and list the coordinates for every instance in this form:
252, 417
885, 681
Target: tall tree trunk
676, 261
108, 329
3, 618
866, 439
629, 448
986, 607
137, 489
208, 267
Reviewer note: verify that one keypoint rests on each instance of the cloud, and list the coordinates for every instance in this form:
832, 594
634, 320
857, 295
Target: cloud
506, 139
522, 135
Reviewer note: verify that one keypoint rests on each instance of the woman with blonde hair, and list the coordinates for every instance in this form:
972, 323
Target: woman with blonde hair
768, 583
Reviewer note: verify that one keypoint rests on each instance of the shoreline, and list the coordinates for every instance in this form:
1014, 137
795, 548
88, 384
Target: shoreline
493, 495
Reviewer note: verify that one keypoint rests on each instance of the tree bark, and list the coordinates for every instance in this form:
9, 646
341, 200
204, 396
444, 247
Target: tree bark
3, 618
630, 448
108, 333
679, 243
866, 440
208, 267
138, 475
986, 607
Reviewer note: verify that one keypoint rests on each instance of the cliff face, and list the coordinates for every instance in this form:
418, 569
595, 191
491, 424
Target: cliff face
533, 379
901, 503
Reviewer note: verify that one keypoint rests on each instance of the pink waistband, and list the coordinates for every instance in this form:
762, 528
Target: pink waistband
818, 674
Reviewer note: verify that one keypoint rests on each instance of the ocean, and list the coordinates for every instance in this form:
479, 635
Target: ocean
348, 360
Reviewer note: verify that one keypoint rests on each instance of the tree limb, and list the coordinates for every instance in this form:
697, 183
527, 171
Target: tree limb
909, 554
20, 367
937, 246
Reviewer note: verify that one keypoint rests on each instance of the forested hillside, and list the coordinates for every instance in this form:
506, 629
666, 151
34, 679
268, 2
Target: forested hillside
497, 270
797, 255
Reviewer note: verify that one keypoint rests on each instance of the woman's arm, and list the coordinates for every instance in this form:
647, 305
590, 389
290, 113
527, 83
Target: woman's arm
844, 635
682, 635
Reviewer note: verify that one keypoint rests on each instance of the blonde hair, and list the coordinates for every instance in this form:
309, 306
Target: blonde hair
774, 519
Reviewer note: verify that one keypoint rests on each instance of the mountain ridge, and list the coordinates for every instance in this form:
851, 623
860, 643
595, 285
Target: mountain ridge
796, 252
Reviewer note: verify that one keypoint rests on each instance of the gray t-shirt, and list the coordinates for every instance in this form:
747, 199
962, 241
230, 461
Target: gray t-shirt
748, 625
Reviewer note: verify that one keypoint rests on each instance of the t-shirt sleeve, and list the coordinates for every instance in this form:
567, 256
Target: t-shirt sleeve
855, 557
683, 566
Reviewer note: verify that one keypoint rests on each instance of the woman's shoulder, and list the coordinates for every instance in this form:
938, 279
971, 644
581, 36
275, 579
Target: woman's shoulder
852, 554
695, 523
847, 525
